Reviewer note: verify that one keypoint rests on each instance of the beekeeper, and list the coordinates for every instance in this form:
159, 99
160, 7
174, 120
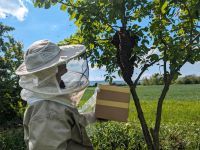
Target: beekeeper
53, 80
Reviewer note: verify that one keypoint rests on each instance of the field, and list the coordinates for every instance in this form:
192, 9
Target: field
180, 126
176, 92
182, 103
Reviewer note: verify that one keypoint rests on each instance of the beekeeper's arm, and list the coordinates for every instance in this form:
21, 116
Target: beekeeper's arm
89, 117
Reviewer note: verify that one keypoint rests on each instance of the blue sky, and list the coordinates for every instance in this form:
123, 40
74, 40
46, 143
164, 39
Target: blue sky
32, 24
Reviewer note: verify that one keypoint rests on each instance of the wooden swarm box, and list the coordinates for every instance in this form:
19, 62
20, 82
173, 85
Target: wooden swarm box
112, 103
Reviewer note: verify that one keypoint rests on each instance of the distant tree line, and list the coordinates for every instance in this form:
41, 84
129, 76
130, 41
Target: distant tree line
157, 79
190, 79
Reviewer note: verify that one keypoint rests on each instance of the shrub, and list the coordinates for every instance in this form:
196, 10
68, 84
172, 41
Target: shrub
190, 79
155, 79
128, 136
121, 136
113, 135
11, 54
12, 139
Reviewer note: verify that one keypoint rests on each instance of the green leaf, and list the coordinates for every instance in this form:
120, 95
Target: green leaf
63, 7
91, 46
154, 57
47, 5
164, 6
54, 1
73, 15
77, 23
92, 65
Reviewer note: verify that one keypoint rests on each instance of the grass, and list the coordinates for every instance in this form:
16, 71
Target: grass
181, 112
182, 103
179, 127
176, 92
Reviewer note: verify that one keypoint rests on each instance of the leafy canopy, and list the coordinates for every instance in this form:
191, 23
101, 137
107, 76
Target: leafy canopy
143, 33
11, 106
167, 30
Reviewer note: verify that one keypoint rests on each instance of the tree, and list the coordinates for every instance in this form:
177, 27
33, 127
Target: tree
11, 106
124, 35
155, 79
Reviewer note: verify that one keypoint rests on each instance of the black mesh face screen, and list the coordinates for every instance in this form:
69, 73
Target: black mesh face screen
62, 84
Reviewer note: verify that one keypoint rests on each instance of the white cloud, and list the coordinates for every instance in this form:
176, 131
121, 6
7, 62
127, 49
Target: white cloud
15, 8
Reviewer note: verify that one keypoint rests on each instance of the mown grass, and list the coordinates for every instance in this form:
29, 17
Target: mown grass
176, 92
181, 112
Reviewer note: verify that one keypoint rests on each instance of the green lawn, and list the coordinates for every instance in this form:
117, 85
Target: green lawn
182, 104
181, 112
176, 92
180, 126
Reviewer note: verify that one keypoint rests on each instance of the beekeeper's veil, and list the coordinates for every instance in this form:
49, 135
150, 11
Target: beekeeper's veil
38, 73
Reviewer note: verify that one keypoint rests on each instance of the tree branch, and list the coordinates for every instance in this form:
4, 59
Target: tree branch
143, 123
164, 59
188, 54
155, 132
124, 19
191, 42
191, 22
143, 70
69, 4
111, 26
104, 39
116, 26
159, 113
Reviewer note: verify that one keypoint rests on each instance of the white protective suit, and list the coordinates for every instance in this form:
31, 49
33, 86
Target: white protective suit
52, 121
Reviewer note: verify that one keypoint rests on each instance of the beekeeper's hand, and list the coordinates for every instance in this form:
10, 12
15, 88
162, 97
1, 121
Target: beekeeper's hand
90, 117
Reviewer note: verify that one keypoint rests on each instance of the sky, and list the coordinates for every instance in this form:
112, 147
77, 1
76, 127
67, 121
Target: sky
32, 24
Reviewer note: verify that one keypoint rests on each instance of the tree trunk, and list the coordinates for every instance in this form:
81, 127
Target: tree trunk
143, 123
155, 132
124, 47
124, 50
